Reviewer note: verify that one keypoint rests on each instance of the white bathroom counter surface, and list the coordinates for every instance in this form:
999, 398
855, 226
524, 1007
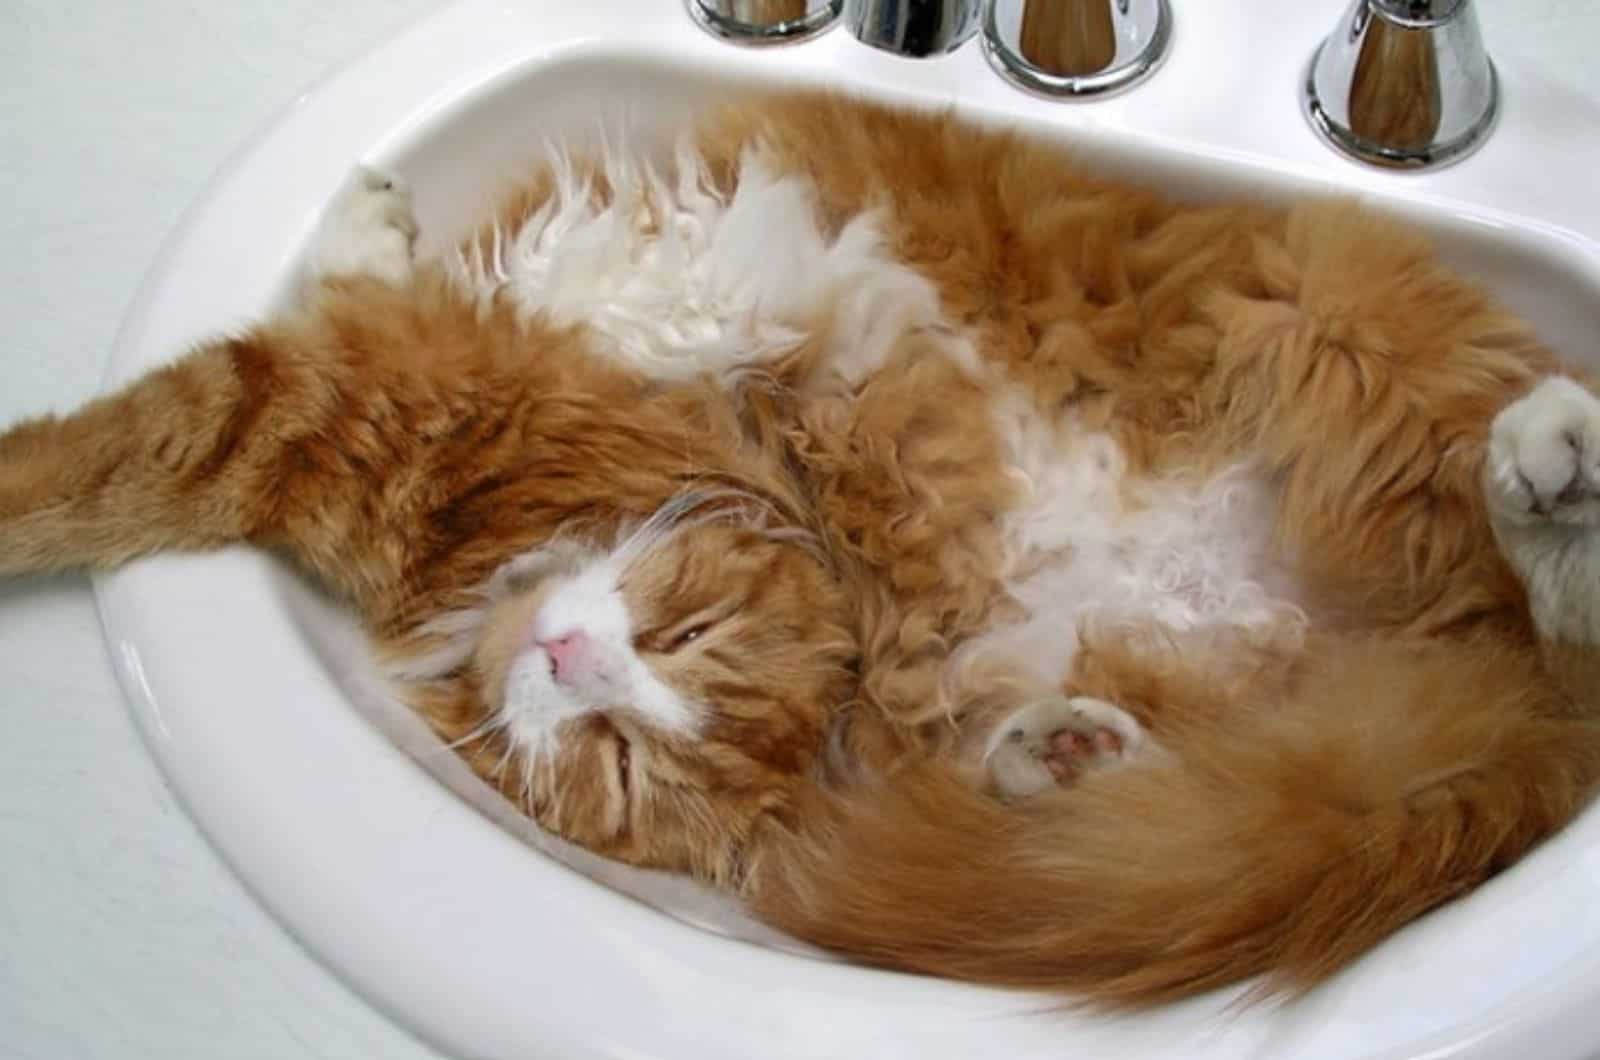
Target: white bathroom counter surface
121, 933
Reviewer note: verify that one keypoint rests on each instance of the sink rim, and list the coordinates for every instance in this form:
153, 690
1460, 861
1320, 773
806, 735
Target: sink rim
374, 112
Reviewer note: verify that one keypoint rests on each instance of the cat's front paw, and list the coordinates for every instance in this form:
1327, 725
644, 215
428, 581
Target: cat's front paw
369, 229
1051, 742
1544, 457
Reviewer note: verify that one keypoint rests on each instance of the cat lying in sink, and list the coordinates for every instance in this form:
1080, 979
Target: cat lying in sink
982, 568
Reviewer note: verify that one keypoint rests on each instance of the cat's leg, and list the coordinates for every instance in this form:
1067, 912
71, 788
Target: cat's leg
1542, 483
369, 230
142, 469
1364, 376
193, 455
1051, 741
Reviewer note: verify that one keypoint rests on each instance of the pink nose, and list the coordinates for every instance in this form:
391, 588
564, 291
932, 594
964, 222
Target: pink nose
566, 654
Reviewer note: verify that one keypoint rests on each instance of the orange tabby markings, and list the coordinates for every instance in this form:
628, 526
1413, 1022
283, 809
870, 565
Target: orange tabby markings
738, 553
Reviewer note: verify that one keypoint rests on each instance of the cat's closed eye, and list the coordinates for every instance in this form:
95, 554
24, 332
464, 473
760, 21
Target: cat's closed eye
688, 636
669, 639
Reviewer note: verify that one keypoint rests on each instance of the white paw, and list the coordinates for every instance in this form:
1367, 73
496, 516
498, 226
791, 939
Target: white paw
369, 229
1050, 742
1544, 457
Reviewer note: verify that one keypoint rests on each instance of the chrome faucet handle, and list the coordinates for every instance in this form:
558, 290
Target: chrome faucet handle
1403, 83
1076, 49
917, 29
764, 21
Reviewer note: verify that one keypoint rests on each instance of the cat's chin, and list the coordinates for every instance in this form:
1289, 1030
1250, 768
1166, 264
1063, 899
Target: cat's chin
534, 705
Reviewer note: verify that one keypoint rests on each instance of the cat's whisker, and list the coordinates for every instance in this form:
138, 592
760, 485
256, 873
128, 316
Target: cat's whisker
499, 770
528, 801
482, 731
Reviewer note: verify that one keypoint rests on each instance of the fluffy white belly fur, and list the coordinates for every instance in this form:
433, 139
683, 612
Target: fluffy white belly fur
1091, 544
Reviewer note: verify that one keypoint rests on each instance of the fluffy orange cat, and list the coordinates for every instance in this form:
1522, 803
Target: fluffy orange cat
982, 568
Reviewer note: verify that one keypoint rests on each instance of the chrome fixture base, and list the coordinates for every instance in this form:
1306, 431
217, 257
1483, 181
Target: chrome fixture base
1092, 48
916, 29
1403, 84
762, 22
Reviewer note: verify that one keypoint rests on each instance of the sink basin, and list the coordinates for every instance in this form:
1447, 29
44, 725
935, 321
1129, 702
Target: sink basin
389, 861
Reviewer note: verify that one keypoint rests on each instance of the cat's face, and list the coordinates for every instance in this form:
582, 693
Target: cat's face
655, 701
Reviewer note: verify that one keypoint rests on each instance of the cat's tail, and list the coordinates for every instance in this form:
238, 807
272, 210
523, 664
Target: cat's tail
1396, 779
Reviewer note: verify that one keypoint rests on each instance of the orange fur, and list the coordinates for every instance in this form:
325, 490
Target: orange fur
1320, 790
1286, 841
1317, 804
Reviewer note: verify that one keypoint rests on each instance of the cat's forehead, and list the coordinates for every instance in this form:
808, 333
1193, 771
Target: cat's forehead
559, 559
681, 562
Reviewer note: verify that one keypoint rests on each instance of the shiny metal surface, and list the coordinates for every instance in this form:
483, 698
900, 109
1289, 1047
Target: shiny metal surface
1403, 83
914, 28
1076, 49
765, 21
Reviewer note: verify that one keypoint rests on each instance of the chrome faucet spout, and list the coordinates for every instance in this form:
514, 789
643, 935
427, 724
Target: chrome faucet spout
917, 29
764, 21
1077, 49
1403, 83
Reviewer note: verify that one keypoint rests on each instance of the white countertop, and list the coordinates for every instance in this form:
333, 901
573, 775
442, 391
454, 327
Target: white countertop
121, 933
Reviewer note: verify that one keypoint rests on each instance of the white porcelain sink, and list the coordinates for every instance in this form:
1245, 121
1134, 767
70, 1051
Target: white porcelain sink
363, 836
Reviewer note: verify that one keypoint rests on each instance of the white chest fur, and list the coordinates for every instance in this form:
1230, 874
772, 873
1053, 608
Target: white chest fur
1091, 544
674, 279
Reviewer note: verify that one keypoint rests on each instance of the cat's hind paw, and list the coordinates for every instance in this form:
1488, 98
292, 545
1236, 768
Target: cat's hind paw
1051, 742
369, 229
1544, 457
